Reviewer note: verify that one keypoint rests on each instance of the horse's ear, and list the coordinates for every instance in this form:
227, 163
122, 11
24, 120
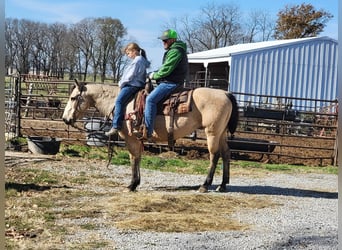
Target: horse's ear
77, 85
80, 85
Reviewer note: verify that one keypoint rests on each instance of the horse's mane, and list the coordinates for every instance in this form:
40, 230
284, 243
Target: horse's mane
82, 85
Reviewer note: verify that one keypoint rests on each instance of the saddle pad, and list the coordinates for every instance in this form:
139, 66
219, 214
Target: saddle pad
179, 102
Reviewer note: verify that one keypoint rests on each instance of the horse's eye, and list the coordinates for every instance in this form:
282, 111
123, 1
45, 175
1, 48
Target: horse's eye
72, 98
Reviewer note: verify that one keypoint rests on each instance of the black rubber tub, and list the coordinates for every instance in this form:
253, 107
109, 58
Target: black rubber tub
257, 145
43, 145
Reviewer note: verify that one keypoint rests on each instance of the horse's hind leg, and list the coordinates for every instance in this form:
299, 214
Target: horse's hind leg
214, 155
217, 148
225, 153
209, 180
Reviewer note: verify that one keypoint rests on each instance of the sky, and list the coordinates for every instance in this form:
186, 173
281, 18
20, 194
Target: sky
145, 20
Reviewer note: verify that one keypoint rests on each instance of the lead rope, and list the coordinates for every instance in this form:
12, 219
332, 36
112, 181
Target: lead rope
110, 151
110, 146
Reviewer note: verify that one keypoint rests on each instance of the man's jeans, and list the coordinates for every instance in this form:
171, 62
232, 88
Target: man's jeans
125, 95
162, 91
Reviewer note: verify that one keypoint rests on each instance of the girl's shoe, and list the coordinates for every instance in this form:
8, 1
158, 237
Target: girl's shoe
112, 131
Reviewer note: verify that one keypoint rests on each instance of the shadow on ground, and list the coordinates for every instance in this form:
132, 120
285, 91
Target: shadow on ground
262, 190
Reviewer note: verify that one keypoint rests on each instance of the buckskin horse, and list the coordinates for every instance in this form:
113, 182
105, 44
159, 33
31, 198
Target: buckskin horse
213, 110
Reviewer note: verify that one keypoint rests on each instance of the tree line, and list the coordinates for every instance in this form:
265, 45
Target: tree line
93, 46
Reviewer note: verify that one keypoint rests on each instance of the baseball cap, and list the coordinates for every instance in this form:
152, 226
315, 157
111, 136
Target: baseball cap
168, 34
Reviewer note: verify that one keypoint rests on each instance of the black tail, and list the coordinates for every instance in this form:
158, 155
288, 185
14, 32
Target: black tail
234, 117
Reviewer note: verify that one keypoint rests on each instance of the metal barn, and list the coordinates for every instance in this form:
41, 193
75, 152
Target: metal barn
297, 68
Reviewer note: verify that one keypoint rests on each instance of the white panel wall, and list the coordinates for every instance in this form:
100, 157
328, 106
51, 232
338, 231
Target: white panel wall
304, 70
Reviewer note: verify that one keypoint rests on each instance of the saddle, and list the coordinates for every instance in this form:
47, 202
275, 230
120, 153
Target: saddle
179, 102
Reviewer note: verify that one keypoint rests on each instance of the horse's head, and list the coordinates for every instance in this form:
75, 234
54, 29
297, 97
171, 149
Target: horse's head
77, 104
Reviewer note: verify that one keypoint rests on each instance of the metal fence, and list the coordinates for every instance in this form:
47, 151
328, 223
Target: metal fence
304, 133
271, 131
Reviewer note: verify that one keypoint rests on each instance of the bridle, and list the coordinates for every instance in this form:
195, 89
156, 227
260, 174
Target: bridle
78, 100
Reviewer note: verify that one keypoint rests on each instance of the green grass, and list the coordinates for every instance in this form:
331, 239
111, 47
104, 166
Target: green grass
121, 158
286, 168
37, 177
89, 226
181, 164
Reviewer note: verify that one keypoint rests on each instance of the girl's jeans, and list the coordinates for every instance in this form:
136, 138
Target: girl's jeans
125, 95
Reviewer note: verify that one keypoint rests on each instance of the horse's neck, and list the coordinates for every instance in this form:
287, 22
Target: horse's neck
103, 97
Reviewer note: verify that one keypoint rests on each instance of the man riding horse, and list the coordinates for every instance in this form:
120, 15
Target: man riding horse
169, 77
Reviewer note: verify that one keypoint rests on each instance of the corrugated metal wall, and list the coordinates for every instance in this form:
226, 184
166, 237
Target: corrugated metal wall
304, 70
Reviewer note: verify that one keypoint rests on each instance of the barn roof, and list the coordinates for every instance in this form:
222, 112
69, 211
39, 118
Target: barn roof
224, 54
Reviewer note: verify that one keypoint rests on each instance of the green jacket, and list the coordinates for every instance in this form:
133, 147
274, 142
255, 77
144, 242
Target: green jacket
175, 64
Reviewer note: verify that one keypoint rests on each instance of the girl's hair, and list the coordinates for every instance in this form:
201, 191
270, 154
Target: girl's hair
135, 46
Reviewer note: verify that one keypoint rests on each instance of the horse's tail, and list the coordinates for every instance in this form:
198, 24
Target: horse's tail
234, 117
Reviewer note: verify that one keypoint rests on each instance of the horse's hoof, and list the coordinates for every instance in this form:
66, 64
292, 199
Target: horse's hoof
203, 189
221, 189
129, 189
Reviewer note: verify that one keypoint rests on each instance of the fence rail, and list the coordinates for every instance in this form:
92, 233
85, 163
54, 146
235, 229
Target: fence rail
34, 106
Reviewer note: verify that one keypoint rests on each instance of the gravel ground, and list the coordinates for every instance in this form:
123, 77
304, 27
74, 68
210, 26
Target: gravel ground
306, 219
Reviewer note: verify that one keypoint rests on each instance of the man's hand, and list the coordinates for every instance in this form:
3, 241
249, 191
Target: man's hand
150, 75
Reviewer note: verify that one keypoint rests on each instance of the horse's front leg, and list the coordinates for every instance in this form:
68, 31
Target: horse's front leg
135, 150
135, 166
209, 180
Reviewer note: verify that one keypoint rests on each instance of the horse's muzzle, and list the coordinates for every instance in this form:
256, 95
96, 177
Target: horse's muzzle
68, 121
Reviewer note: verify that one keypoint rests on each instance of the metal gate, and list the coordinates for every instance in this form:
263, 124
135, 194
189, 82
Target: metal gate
12, 108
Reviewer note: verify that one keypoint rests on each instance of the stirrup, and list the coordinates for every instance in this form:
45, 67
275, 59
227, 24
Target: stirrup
143, 137
140, 133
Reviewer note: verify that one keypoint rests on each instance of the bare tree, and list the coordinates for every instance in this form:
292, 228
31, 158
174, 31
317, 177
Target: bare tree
10, 45
70, 56
90, 46
21, 37
110, 33
219, 26
186, 31
41, 49
57, 34
117, 61
266, 25
258, 27
84, 33
214, 27
300, 21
